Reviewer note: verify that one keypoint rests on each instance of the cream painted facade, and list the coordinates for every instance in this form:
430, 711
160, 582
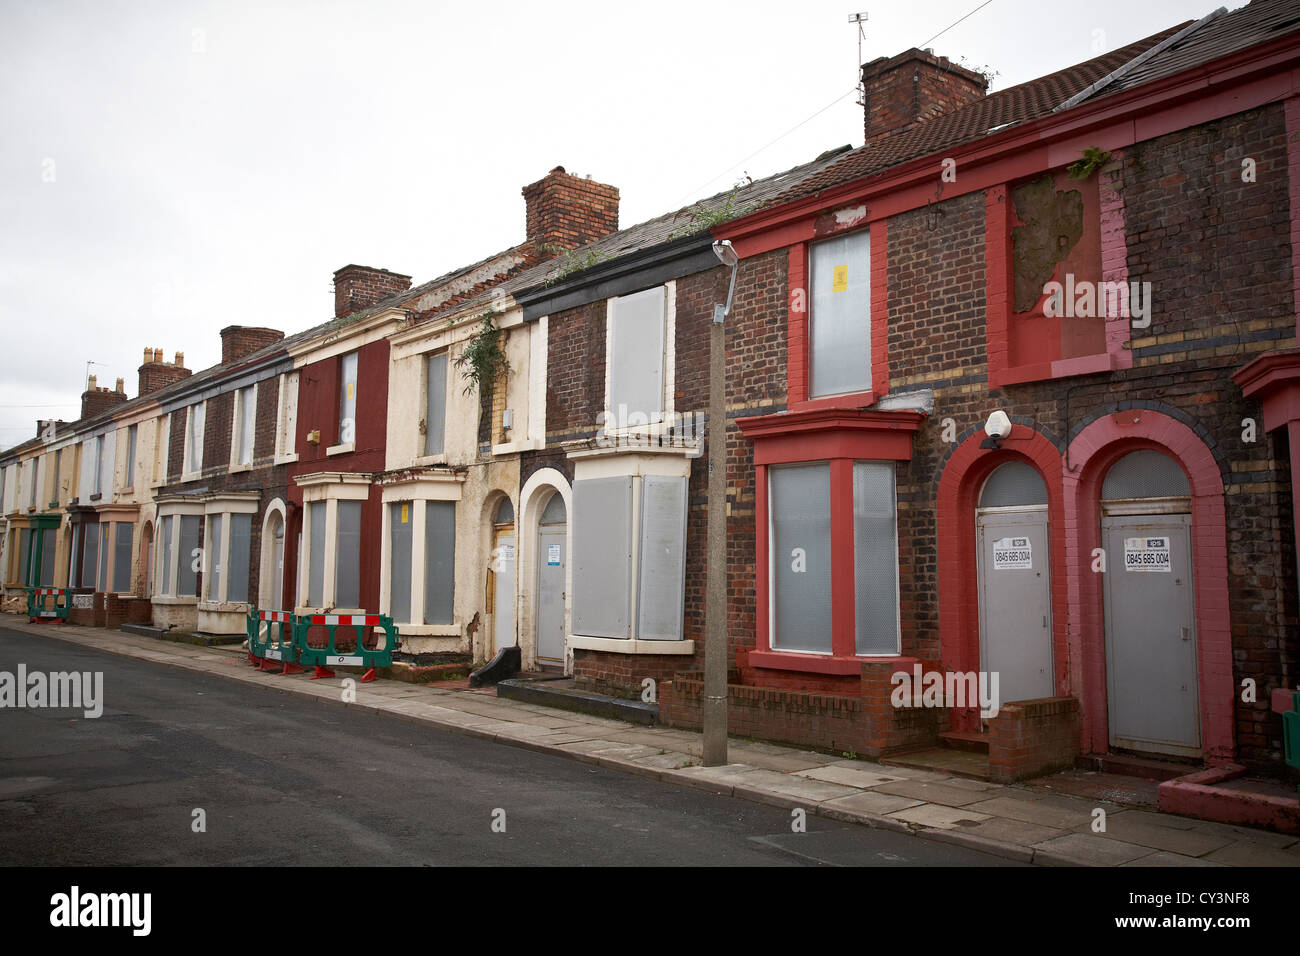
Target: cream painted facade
488, 585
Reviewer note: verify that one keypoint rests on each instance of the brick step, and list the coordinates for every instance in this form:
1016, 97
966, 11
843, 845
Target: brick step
1148, 768
946, 760
973, 741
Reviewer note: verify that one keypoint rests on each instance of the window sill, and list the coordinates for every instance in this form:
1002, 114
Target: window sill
820, 663
286, 459
225, 607
340, 449
513, 447
1060, 368
169, 599
424, 461
97, 496
236, 469
849, 402
629, 645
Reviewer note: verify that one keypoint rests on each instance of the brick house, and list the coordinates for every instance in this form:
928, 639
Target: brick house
216, 537
952, 268
405, 480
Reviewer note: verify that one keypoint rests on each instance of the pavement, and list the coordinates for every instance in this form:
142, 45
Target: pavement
1022, 823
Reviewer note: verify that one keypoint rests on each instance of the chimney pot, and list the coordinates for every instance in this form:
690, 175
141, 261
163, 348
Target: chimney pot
148, 356
92, 383
903, 91
120, 387
180, 359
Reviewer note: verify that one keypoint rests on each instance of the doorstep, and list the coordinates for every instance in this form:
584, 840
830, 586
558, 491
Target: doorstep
561, 692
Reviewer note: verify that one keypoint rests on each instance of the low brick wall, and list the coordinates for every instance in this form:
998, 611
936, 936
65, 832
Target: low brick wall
1029, 738
620, 675
823, 721
892, 729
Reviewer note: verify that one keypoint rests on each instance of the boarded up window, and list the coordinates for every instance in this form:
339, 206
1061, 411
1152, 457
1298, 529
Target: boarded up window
801, 557
288, 414
241, 531
347, 579
244, 426
841, 315
166, 560
194, 461
439, 561
662, 566
435, 403
399, 561
214, 561
47, 558
602, 555
187, 565
636, 358
316, 558
130, 455
24, 555
123, 532
875, 558
348, 401
101, 582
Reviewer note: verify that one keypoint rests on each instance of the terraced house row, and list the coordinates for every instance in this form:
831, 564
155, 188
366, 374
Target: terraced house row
1012, 388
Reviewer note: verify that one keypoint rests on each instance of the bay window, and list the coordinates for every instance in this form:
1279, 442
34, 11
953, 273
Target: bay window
329, 573
227, 538
827, 542
418, 577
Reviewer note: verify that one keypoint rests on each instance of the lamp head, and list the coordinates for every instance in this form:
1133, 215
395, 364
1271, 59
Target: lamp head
726, 254
998, 426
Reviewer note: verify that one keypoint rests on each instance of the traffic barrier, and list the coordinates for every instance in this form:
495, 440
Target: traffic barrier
271, 641
47, 604
345, 640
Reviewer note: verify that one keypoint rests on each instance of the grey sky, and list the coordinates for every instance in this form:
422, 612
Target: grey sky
214, 163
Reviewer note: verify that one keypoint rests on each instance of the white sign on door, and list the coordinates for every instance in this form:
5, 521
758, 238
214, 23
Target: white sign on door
1146, 554
553, 555
1013, 554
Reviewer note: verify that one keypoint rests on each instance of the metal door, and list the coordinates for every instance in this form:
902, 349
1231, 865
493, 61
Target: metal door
552, 558
503, 581
1015, 602
1151, 677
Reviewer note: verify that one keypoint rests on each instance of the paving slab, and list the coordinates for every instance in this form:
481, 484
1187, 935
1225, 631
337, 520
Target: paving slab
928, 792
1031, 811
1162, 858
1185, 842
1016, 831
848, 776
784, 763
882, 804
1077, 849
939, 817
1245, 853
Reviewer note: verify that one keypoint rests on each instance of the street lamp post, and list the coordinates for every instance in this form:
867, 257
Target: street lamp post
714, 715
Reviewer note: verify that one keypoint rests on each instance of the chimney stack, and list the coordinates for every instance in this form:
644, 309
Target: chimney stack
565, 212
238, 341
906, 90
156, 374
359, 287
95, 399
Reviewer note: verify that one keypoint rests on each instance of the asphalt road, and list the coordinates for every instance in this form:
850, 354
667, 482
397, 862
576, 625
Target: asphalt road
287, 780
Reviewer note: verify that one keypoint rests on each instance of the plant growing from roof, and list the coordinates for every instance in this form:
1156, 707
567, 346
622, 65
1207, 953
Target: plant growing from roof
571, 261
1093, 159
705, 217
483, 360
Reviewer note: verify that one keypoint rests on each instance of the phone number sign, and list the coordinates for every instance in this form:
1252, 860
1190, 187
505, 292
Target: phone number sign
1146, 554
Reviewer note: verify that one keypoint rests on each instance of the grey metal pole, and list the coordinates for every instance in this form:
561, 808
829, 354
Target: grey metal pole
714, 711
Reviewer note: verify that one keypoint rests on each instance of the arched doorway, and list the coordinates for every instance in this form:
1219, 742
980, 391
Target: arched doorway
552, 559
270, 578
1015, 596
1150, 610
501, 576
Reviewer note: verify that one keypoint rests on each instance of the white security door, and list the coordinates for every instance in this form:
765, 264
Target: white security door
1015, 594
1153, 701
503, 608
1015, 603
552, 559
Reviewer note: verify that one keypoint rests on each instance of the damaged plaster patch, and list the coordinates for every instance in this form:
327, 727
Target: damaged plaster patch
484, 273
849, 216
1053, 225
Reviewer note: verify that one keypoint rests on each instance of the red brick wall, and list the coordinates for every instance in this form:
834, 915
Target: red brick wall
912, 87
358, 287
238, 341
1033, 737
567, 211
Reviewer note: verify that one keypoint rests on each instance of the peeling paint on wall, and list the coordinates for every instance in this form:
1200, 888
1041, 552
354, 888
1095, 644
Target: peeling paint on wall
1053, 225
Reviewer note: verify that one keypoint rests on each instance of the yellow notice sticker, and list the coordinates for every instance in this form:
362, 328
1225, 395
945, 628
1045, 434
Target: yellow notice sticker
406, 513
351, 390
840, 279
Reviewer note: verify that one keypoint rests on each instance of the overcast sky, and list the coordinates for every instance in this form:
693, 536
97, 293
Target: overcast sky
213, 163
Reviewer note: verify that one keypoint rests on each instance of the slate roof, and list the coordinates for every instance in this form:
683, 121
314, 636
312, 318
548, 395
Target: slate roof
1217, 35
